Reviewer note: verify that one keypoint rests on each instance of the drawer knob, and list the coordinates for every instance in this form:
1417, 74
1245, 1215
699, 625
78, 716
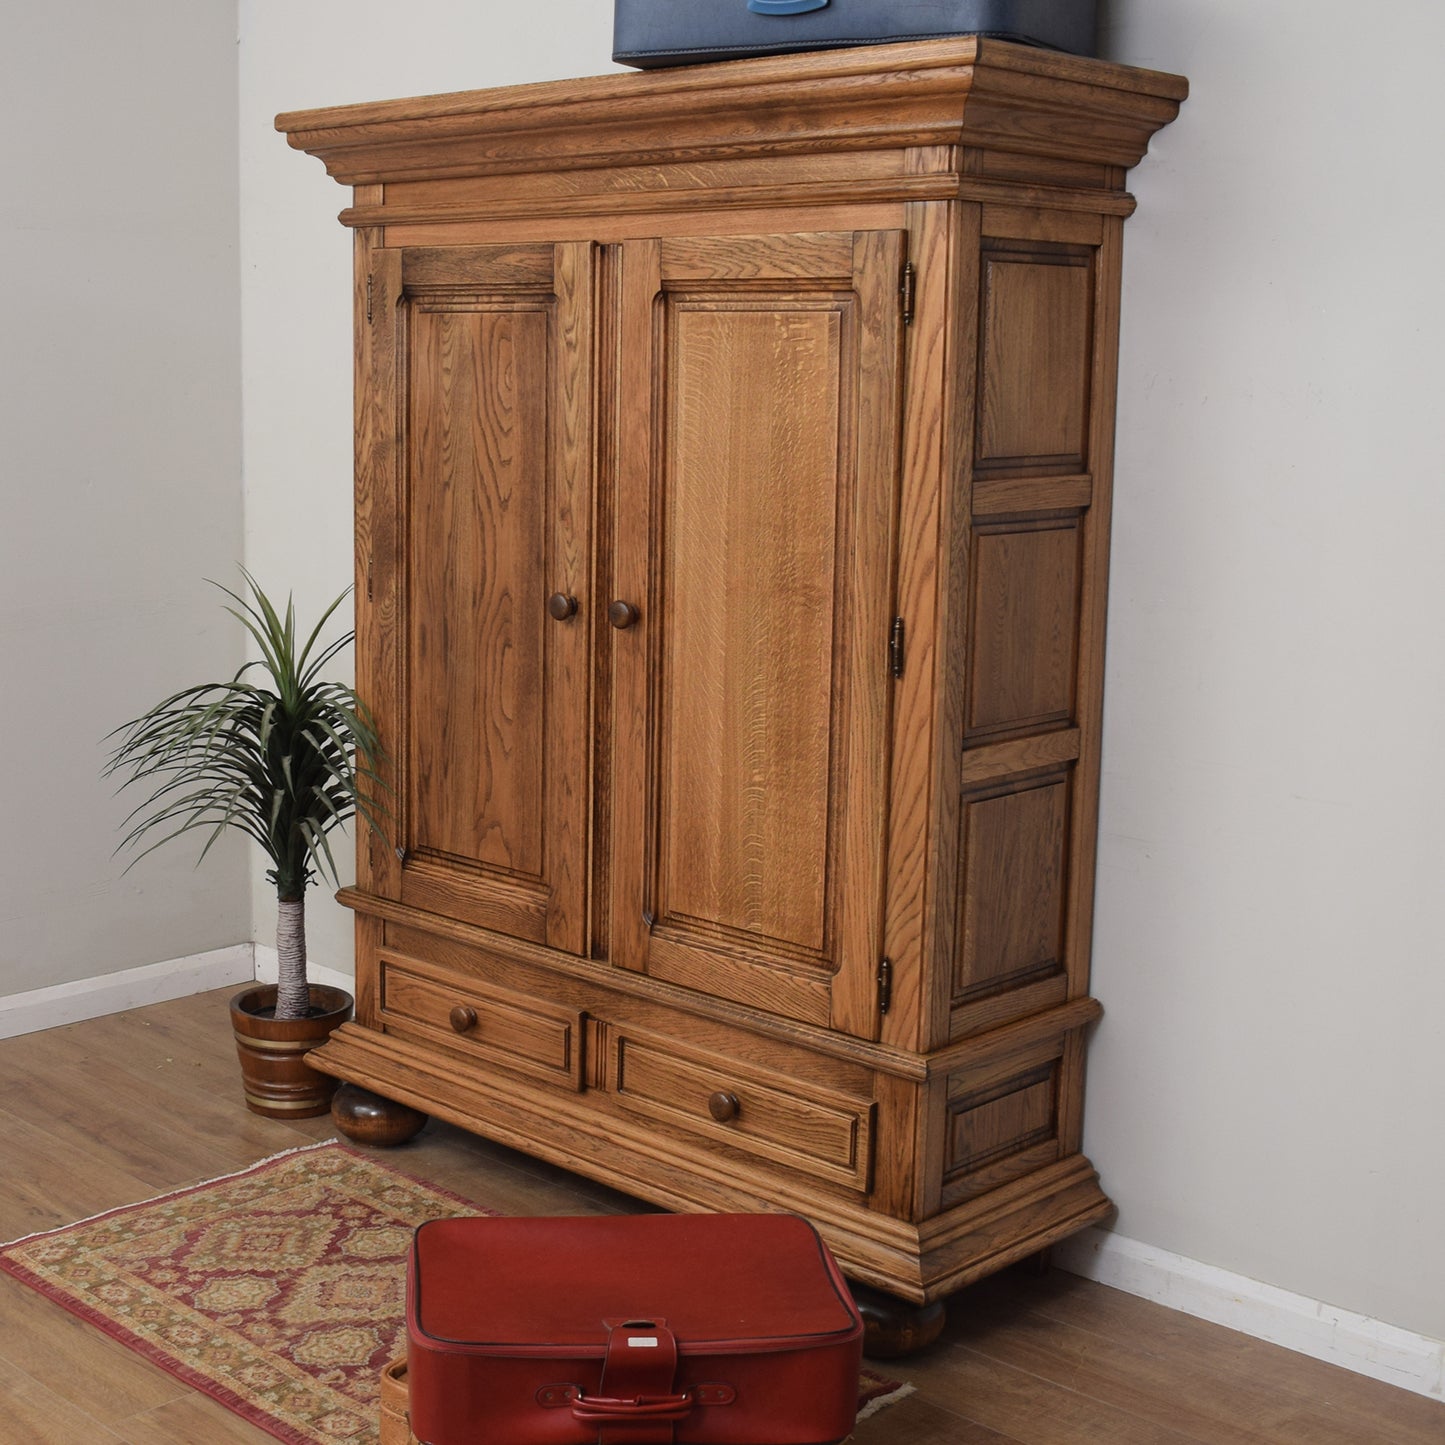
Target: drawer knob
622, 615
723, 1106
560, 606
463, 1018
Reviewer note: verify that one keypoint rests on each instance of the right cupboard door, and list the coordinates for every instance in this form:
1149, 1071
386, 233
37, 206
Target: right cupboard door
753, 569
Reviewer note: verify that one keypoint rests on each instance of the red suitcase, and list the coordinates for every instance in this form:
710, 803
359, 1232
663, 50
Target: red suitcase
709, 1329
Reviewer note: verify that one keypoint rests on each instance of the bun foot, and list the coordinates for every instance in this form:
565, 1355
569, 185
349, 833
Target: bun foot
367, 1118
894, 1327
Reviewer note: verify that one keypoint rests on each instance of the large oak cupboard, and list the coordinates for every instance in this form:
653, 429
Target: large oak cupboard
733, 457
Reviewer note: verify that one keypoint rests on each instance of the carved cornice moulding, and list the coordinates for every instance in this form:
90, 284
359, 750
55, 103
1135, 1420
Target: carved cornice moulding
970, 93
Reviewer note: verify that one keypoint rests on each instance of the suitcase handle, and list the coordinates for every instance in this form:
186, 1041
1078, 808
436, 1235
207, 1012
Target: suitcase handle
600, 1409
784, 7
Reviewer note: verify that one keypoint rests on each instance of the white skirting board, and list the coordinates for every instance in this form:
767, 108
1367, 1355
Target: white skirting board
1337, 1336
109, 993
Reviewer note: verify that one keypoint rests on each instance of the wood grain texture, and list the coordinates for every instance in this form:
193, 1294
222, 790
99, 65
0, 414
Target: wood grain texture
1015, 1116
635, 521
1013, 496
568, 734
871, 599
605, 200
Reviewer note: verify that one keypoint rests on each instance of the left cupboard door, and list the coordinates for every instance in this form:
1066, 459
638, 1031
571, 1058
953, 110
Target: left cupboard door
475, 463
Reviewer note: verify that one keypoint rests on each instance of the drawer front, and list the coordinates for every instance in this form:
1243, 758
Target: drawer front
493, 1025
704, 1096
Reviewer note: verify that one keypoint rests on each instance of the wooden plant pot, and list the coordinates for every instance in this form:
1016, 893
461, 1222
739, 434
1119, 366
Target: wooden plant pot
277, 1080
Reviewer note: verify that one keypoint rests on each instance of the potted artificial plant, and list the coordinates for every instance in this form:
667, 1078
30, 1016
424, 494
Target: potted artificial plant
285, 757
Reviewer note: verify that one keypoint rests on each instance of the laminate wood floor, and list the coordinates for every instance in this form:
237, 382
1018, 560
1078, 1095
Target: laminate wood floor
119, 1109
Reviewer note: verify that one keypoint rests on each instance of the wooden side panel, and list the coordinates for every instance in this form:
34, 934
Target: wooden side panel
1031, 553
1013, 888
1002, 1122
1023, 648
1035, 356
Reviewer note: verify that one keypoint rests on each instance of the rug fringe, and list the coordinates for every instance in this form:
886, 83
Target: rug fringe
882, 1402
175, 1193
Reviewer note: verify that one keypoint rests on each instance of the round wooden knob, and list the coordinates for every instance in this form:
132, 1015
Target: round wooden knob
723, 1106
463, 1018
622, 615
561, 606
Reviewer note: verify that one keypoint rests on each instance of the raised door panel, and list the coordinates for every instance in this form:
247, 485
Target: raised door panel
487, 700
755, 523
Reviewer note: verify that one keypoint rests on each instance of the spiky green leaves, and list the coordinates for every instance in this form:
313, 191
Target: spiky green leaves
275, 752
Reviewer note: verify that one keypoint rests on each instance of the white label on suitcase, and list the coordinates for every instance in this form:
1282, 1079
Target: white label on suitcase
642, 1342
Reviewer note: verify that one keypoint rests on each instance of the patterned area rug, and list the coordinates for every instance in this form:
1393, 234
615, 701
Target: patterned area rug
278, 1291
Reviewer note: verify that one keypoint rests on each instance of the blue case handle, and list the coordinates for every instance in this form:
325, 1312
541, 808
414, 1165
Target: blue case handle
784, 7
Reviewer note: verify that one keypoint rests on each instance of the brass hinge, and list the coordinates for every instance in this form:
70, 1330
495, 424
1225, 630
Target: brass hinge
905, 291
896, 647
885, 984
368, 579
401, 855
368, 298
650, 919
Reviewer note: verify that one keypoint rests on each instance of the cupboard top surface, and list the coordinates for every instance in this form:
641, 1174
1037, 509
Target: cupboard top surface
965, 91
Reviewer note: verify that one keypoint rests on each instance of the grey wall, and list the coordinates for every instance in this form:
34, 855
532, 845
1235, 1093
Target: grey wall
119, 459
1266, 1091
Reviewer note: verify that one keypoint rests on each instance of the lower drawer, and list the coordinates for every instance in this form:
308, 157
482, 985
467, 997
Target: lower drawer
709, 1098
695, 1088
495, 1026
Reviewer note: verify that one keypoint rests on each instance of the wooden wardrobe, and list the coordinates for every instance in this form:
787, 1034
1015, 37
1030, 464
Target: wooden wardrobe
733, 451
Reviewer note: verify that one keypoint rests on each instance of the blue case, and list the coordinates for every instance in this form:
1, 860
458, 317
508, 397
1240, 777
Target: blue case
648, 33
